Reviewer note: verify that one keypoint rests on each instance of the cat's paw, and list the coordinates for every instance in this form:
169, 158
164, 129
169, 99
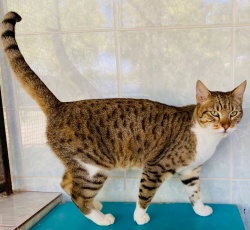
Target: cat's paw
203, 210
141, 219
97, 205
140, 215
108, 220
100, 218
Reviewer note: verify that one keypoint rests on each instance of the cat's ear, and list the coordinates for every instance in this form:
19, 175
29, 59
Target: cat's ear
238, 92
202, 93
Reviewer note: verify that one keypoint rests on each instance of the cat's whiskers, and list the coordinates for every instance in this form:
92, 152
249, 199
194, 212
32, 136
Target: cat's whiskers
241, 132
236, 135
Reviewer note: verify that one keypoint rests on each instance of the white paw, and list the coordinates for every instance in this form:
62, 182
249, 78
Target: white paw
142, 219
100, 218
97, 205
107, 220
203, 210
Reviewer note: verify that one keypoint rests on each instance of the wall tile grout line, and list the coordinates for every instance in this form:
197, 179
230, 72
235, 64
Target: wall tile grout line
118, 72
131, 177
117, 48
233, 85
133, 29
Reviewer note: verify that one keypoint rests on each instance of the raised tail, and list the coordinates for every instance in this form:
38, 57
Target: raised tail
28, 78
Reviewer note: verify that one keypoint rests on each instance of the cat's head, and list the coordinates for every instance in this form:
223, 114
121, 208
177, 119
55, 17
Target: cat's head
219, 111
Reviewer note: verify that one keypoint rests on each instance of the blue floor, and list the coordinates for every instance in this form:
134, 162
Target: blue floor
163, 216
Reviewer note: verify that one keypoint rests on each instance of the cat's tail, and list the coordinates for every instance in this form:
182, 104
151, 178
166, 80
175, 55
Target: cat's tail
28, 78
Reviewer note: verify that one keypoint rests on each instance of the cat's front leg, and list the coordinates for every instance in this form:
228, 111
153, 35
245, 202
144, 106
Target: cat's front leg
150, 182
140, 214
191, 181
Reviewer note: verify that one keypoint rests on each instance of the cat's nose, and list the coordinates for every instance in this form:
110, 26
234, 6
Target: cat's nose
225, 127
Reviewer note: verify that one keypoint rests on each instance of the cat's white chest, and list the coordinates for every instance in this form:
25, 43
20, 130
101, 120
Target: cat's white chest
207, 141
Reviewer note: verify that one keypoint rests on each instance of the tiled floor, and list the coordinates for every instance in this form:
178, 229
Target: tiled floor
23, 210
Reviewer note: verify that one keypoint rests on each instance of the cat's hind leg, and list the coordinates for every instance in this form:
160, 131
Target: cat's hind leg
190, 179
67, 184
87, 181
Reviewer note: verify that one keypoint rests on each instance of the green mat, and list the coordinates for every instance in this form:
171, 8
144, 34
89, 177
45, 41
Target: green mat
177, 216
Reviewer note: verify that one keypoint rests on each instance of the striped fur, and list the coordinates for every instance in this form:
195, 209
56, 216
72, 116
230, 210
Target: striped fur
26, 76
91, 137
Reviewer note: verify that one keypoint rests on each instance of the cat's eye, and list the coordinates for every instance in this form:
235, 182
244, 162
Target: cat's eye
215, 113
233, 114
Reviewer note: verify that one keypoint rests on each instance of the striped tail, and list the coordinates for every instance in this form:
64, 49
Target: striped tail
30, 81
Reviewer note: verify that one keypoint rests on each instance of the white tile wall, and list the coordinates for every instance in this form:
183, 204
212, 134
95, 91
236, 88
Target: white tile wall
159, 13
242, 11
242, 57
151, 72
155, 49
63, 15
240, 148
241, 197
219, 165
89, 64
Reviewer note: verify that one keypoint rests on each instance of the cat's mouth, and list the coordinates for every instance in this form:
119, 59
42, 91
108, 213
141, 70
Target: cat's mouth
226, 131
222, 130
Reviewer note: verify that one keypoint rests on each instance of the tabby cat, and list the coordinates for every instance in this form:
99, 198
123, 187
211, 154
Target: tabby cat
92, 137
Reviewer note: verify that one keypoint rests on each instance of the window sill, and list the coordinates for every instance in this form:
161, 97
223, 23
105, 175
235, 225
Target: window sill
24, 209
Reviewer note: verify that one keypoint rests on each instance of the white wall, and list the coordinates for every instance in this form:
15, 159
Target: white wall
155, 49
